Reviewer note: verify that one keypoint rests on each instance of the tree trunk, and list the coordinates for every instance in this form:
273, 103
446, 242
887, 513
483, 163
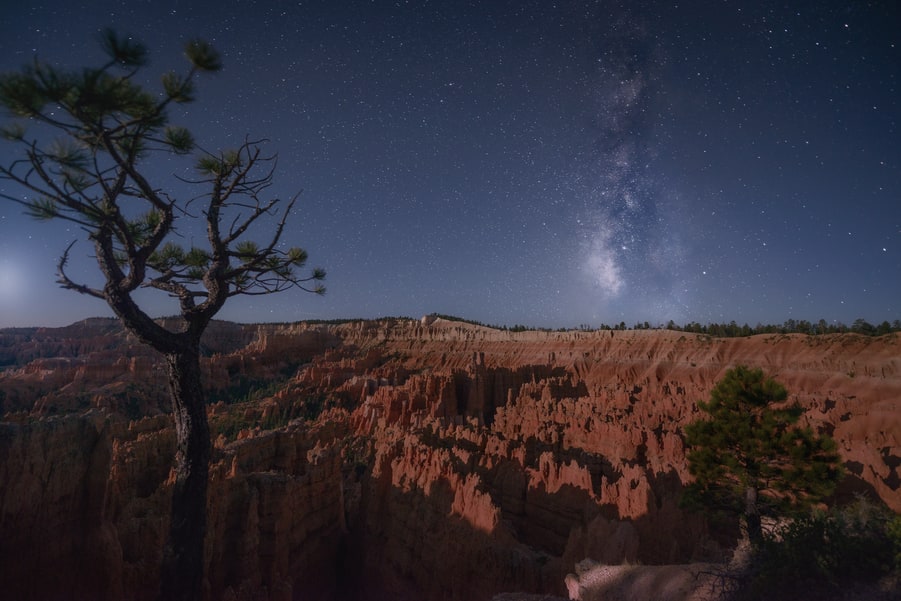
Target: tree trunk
181, 576
752, 516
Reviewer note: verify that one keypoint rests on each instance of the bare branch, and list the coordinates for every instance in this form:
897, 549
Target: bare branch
258, 211
95, 179
67, 283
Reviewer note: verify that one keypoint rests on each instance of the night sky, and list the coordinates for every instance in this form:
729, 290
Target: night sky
538, 163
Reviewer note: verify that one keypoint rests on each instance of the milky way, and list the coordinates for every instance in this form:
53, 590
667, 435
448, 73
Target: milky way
530, 162
631, 243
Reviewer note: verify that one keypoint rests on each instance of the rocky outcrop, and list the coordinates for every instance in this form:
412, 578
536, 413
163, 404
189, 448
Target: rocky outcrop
397, 459
596, 582
94, 364
85, 510
56, 541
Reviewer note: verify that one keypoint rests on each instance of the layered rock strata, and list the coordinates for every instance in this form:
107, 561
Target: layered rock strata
397, 459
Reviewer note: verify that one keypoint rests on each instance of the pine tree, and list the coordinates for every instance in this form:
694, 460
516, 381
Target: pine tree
94, 174
750, 458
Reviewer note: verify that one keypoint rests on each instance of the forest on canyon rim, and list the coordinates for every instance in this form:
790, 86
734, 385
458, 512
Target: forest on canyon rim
398, 459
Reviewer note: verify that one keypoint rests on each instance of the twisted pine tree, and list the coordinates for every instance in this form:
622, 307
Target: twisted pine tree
751, 459
106, 128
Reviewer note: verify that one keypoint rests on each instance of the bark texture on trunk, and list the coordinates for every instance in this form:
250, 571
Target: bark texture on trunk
181, 575
752, 516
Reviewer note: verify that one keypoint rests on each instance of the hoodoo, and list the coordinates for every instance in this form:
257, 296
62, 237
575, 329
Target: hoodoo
397, 459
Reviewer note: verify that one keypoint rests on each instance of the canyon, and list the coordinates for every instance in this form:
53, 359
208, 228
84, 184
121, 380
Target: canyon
397, 459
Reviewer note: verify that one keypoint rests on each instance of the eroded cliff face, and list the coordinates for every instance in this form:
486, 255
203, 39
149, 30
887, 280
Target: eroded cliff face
397, 460
86, 498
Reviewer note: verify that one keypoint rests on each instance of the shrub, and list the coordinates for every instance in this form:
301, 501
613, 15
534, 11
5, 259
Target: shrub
825, 553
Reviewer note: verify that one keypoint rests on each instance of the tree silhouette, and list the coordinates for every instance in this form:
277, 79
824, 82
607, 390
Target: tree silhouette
92, 172
750, 458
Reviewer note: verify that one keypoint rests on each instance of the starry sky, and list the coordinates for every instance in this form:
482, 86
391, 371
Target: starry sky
542, 163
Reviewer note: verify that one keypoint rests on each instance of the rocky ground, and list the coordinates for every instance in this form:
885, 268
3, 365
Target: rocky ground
401, 459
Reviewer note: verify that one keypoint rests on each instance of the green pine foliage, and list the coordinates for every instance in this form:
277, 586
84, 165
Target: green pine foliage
107, 126
749, 456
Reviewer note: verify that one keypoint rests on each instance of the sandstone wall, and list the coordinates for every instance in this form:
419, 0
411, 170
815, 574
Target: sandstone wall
85, 499
450, 462
583, 456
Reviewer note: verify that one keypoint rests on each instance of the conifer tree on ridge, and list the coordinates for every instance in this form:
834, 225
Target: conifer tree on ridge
750, 457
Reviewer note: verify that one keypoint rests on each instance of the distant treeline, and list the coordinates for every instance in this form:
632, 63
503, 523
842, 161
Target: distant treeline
791, 326
720, 330
723, 330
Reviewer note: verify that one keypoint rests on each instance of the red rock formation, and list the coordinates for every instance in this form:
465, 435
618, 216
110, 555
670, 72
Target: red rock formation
56, 541
449, 461
85, 510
